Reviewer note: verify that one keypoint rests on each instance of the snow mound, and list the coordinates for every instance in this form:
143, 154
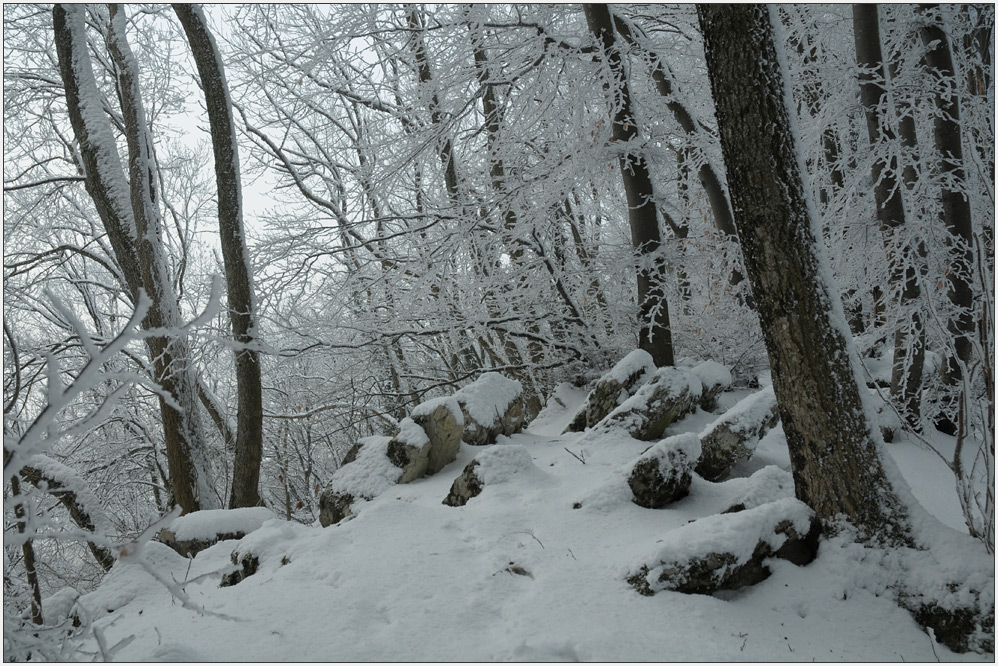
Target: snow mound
746, 415
504, 462
206, 525
412, 433
769, 484
712, 373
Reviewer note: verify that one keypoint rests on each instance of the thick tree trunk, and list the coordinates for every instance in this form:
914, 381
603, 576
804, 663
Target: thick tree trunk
654, 330
834, 451
130, 217
909, 338
242, 309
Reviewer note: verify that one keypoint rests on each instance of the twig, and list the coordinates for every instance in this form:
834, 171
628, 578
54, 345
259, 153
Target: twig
581, 460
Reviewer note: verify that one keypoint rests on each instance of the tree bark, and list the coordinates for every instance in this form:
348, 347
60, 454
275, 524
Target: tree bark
130, 217
242, 309
654, 330
909, 338
834, 450
956, 214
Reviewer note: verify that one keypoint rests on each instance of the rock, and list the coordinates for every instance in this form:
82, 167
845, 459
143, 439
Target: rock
734, 436
334, 507
492, 405
612, 389
493, 466
188, 535
728, 551
663, 474
669, 395
714, 378
366, 472
442, 422
466, 486
962, 629
409, 450
248, 564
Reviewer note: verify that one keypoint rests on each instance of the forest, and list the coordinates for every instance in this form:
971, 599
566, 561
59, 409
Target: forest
240, 239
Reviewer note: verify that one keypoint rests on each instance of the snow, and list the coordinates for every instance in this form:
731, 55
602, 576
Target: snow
430, 406
372, 472
488, 397
735, 533
412, 433
207, 524
637, 361
712, 373
746, 415
410, 579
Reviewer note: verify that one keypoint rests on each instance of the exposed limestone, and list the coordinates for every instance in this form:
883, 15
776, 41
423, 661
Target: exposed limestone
734, 436
612, 389
334, 507
493, 466
663, 474
248, 564
669, 395
442, 421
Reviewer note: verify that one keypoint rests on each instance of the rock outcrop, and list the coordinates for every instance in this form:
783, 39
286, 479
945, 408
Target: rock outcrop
664, 472
728, 551
495, 465
734, 436
669, 395
612, 389
492, 405
188, 535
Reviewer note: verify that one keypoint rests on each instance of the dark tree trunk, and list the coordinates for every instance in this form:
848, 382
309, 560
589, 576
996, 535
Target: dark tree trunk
909, 338
128, 212
955, 205
242, 310
654, 332
834, 452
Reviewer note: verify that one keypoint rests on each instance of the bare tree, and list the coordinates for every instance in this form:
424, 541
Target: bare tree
242, 307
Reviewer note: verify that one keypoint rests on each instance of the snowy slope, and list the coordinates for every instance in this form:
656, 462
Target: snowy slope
516, 574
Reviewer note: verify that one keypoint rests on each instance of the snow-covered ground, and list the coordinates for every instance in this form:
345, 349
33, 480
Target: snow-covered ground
518, 573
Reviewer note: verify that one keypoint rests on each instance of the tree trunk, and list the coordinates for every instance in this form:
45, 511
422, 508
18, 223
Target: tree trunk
242, 310
654, 330
130, 217
955, 204
834, 450
909, 338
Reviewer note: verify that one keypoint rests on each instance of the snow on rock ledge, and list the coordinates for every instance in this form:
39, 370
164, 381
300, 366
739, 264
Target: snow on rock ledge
669, 395
612, 389
728, 551
492, 405
734, 436
194, 532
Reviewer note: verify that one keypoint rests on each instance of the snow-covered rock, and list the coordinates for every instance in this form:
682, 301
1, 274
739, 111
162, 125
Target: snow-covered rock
669, 395
734, 436
196, 531
495, 465
714, 378
442, 421
769, 484
728, 551
663, 473
613, 388
492, 405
